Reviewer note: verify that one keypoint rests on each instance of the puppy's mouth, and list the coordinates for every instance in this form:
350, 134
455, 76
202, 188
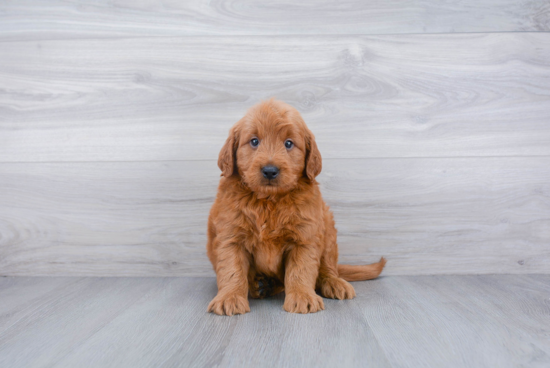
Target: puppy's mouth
270, 183
267, 186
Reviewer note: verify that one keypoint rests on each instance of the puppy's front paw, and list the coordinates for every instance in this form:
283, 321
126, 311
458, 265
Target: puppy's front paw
229, 304
337, 288
303, 303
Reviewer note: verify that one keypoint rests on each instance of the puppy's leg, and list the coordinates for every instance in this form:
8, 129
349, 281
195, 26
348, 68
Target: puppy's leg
301, 270
332, 286
329, 283
231, 274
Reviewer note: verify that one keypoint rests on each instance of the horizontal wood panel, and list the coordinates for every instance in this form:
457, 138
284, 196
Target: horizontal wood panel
427, 216
37, 19
175, 98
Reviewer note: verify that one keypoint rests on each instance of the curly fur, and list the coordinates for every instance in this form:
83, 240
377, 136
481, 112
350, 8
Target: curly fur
266, 236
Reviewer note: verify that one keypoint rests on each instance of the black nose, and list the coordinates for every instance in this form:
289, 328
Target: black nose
270, 172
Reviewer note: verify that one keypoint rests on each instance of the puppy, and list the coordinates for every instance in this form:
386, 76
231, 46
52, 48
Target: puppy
269, 229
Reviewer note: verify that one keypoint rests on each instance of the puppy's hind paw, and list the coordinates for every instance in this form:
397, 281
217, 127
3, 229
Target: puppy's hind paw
263, 287
336, 288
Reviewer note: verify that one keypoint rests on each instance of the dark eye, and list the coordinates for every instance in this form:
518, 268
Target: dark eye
289, 144
254, 142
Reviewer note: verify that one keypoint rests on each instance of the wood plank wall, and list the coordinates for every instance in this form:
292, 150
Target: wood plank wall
433, 118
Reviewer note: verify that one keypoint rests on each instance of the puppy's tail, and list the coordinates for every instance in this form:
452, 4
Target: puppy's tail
363, 272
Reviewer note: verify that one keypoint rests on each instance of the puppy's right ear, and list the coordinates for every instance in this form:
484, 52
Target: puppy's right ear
227, 160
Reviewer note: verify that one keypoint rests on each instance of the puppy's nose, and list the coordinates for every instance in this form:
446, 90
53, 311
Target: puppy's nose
270, 172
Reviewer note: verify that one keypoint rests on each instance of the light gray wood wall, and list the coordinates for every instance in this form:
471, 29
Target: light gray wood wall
433, 119
33, 19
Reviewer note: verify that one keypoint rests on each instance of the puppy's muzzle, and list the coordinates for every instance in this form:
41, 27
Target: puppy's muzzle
270, 172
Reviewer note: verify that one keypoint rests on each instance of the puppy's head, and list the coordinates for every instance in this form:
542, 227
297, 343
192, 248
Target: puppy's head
270, 148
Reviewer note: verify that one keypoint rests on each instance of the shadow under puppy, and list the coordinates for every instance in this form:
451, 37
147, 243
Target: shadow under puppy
269, 229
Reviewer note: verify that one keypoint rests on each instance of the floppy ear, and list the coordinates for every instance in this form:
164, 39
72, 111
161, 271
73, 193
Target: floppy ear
314, 162
227, 160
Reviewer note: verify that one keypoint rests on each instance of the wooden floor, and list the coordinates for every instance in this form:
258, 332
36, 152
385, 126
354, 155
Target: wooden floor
396, 321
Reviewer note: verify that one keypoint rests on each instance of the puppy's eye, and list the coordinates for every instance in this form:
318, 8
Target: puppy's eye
254, 142
289, 144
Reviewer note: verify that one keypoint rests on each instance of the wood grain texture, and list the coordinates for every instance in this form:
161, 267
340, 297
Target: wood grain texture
177, 330
399, 321
438, 318
427, 216
106, 218
62, 318
122, 18
175, 98
18, 291
272, 336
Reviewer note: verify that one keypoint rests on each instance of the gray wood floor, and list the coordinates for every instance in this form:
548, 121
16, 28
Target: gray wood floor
397, 321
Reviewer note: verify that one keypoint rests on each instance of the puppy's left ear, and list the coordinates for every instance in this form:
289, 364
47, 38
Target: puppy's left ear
227, 159
314, 162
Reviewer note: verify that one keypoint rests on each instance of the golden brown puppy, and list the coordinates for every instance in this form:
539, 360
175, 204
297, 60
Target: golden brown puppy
269, 229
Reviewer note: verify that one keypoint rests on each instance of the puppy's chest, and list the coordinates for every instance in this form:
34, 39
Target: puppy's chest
270, 233
269, 224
